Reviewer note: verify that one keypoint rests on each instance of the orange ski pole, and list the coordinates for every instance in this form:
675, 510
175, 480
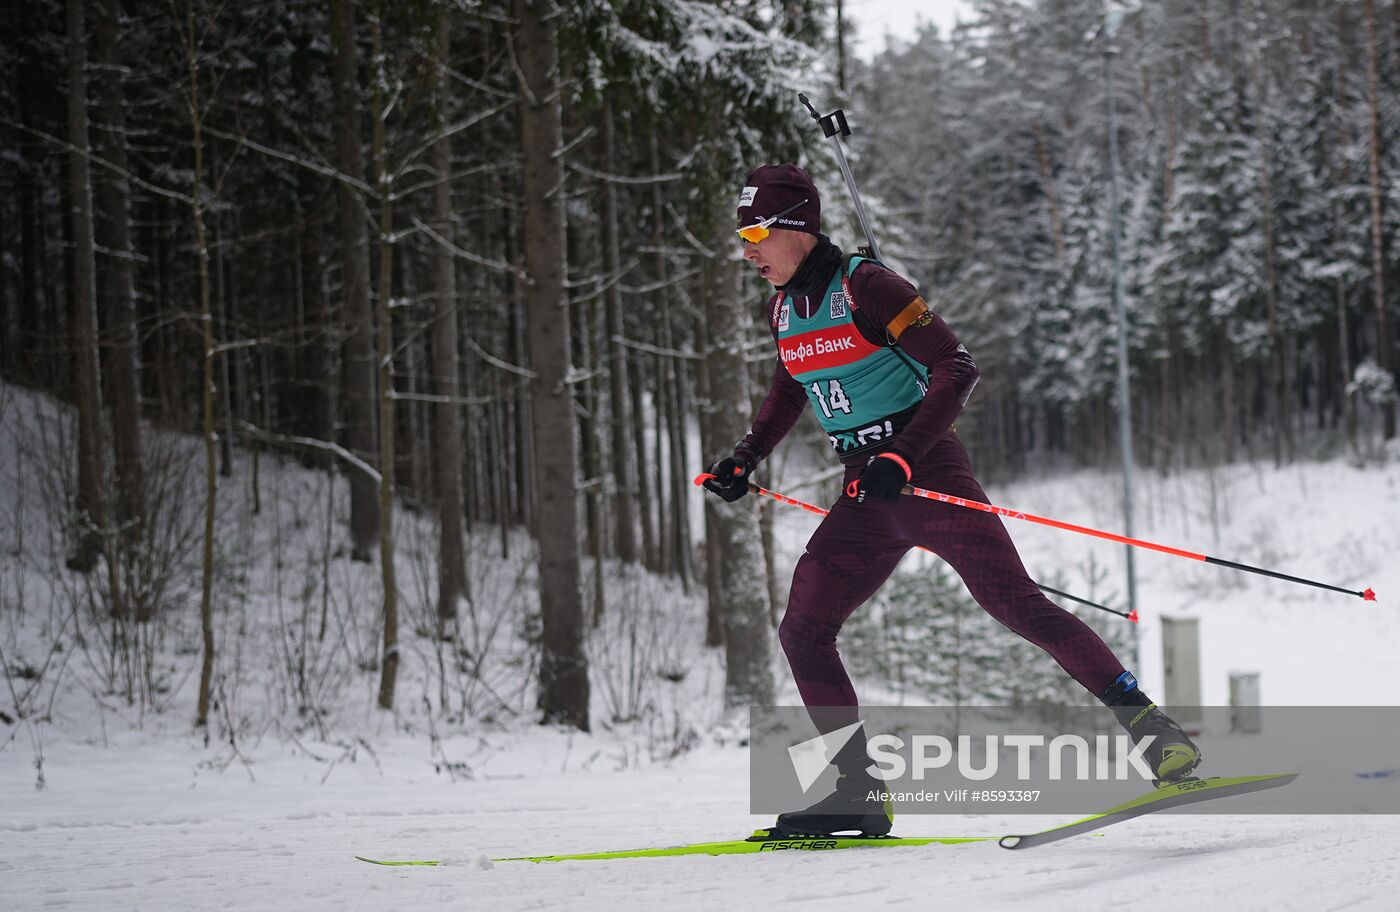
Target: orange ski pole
812, 508
1366, 594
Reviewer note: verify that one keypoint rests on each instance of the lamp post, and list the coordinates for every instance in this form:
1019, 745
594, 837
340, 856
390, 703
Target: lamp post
1112, 19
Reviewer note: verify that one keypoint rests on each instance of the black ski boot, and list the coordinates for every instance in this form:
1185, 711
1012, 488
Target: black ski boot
858, 805
1172, 754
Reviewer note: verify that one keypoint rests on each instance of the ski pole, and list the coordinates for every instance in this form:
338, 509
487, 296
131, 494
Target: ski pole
834, 127
813, 508
1365, 594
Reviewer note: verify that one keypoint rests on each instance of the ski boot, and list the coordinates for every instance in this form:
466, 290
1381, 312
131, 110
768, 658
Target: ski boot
1172, 754
858, 804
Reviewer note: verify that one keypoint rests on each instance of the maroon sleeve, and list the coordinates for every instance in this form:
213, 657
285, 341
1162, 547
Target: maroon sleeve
882, 295
779, 411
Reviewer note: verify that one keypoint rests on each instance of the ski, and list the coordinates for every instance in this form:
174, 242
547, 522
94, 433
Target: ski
765, 840
380, 861
1176, 794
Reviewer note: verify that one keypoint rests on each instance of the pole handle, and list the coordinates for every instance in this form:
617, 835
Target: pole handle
833, 124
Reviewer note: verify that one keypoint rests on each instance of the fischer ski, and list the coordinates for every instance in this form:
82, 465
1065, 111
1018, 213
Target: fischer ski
768, 840
1176, 794
397, 863
762, 841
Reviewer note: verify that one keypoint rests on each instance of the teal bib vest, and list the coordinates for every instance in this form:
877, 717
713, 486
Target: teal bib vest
862, 393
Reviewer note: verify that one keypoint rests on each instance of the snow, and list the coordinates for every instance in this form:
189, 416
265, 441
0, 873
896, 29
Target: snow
145, 829
137, 812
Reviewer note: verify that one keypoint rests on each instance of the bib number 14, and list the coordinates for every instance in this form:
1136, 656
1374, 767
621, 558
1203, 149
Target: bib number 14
834, 400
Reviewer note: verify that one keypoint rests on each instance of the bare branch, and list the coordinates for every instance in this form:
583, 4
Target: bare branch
503, 365
321, 169
584, 134
432, 397
657, 350
498, 265
447, 132
694, 241
406, 192
99, 160
238, 343
620, 178
268, 437
660, 284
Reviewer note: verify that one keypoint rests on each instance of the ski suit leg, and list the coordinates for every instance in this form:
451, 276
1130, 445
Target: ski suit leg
980, 550
851, 554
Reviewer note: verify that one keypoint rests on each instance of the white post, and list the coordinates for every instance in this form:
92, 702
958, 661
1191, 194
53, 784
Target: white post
1125, 414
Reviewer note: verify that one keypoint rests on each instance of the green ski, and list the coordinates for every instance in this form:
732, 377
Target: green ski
766, 840
397, 863
1176, 794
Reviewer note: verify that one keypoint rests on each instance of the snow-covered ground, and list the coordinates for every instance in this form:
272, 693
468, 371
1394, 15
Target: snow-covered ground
143, 827
136, 812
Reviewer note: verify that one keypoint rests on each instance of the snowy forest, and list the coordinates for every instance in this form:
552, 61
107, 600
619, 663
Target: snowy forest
359, 356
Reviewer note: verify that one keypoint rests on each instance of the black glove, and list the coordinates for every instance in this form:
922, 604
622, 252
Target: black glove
883, 479
728, 483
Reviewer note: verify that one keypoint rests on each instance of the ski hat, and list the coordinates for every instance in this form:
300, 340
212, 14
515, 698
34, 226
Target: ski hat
769, 189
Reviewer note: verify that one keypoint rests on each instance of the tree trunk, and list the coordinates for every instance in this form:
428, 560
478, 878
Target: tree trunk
624, 429
563, 694
7, 338
318, 341
1047, 178
87, 376
527, 505
770, 564
122, 382
29, 257
211, 477
1338, 230
1385, 343
389, 669
1276, 393
591, 431
709, 437
662, 433
737, 548
30, 234
447, 425
354, 253
644, 469
221, 309
841, 46
601, 411
680, 483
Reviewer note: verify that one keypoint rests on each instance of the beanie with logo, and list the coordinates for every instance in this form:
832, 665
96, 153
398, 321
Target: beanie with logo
769, 189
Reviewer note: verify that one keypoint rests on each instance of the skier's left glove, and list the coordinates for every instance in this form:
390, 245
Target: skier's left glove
731, 477
884, 477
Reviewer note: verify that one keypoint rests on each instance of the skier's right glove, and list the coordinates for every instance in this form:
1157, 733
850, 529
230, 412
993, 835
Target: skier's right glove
731, 479
883, 478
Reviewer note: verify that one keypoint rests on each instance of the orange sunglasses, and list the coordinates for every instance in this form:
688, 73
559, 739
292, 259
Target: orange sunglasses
760, 229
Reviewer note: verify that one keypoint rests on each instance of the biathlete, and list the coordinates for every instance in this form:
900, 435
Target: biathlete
886, 377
